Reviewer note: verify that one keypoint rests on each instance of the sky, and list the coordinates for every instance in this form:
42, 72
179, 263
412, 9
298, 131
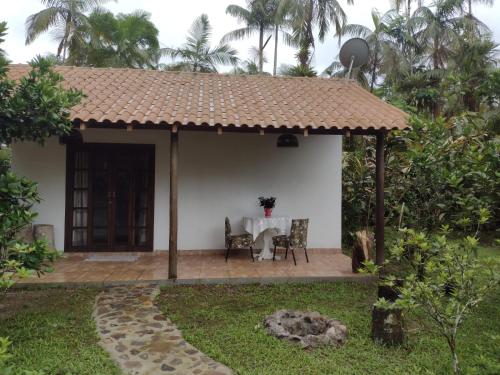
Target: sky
173, 19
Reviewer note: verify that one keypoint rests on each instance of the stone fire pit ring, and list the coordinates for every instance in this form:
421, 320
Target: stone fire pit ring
309, 329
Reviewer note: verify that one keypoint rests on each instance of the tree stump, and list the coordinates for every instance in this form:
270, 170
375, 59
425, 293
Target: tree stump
45, 232
25, 234
362, 250
387, 324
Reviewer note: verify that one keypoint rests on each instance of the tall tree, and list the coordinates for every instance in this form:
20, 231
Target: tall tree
196, 55
436, 29
308, 14
258, 17
471, 62
127, 40
64, 17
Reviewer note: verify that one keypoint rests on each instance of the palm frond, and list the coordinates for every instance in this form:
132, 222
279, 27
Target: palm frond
239, 12
40, 22
356, 30
238, 34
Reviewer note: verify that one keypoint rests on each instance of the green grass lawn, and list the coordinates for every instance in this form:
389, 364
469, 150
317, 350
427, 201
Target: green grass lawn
225, 323
53, 330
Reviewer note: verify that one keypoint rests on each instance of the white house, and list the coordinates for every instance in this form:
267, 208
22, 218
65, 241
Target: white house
159, 154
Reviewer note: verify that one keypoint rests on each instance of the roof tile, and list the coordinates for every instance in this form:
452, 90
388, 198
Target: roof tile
140, 96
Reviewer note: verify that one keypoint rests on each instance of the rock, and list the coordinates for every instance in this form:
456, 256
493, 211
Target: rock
337, 334
310, 329
167, 368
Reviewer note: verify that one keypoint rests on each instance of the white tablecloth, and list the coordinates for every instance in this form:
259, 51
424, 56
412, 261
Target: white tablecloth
256, 225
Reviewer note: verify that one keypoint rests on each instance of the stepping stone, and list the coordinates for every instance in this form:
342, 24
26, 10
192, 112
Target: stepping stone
129, 322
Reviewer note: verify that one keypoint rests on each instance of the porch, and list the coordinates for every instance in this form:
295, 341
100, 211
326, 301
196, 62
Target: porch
193, 267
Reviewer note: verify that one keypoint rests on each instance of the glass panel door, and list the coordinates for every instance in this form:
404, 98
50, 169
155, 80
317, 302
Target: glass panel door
122, 201
141, 198
101, 199
110, 197
79, 199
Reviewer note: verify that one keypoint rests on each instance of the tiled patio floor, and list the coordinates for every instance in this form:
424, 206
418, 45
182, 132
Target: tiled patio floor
73, 268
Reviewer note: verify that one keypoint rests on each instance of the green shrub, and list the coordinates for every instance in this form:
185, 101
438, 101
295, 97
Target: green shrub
438, 172
441, 276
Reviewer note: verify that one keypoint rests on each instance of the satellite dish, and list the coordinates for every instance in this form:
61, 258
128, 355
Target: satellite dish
354, 53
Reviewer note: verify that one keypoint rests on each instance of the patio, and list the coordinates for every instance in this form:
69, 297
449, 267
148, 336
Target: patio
194, 267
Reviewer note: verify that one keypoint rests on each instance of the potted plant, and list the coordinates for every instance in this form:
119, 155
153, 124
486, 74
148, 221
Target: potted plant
268, 204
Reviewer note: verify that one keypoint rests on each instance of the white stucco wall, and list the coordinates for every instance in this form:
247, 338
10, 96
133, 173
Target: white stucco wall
218, 176
45, 165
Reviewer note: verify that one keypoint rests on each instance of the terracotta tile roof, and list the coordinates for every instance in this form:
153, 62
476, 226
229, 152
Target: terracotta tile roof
148, 97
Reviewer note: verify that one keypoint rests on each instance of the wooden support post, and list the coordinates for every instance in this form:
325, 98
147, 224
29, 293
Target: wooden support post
172, 245
379, 199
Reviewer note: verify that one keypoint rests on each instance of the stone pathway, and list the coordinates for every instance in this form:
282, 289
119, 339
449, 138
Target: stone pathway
141, 340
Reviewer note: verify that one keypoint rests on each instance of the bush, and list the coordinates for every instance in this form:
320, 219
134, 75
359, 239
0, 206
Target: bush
442, 277
438, 172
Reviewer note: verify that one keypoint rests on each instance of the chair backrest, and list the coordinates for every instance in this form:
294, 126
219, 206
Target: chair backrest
228, 227
228, 233
298, 233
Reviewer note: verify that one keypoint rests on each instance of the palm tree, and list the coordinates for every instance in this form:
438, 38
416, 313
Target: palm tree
306, 15
136, 40
282, 12
196, 54
127, 40
436, 30
258, 17
472, 60
65, 17
377, 39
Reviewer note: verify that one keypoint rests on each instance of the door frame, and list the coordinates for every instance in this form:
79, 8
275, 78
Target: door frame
68, 220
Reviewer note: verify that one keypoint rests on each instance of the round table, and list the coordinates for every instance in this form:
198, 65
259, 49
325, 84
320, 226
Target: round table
267, 227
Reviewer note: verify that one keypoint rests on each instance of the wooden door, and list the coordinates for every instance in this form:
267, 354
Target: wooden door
110, 197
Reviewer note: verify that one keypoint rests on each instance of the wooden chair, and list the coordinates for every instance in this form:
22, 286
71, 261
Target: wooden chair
238, 241
296, 240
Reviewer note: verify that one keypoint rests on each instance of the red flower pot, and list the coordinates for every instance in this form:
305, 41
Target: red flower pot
268, 212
